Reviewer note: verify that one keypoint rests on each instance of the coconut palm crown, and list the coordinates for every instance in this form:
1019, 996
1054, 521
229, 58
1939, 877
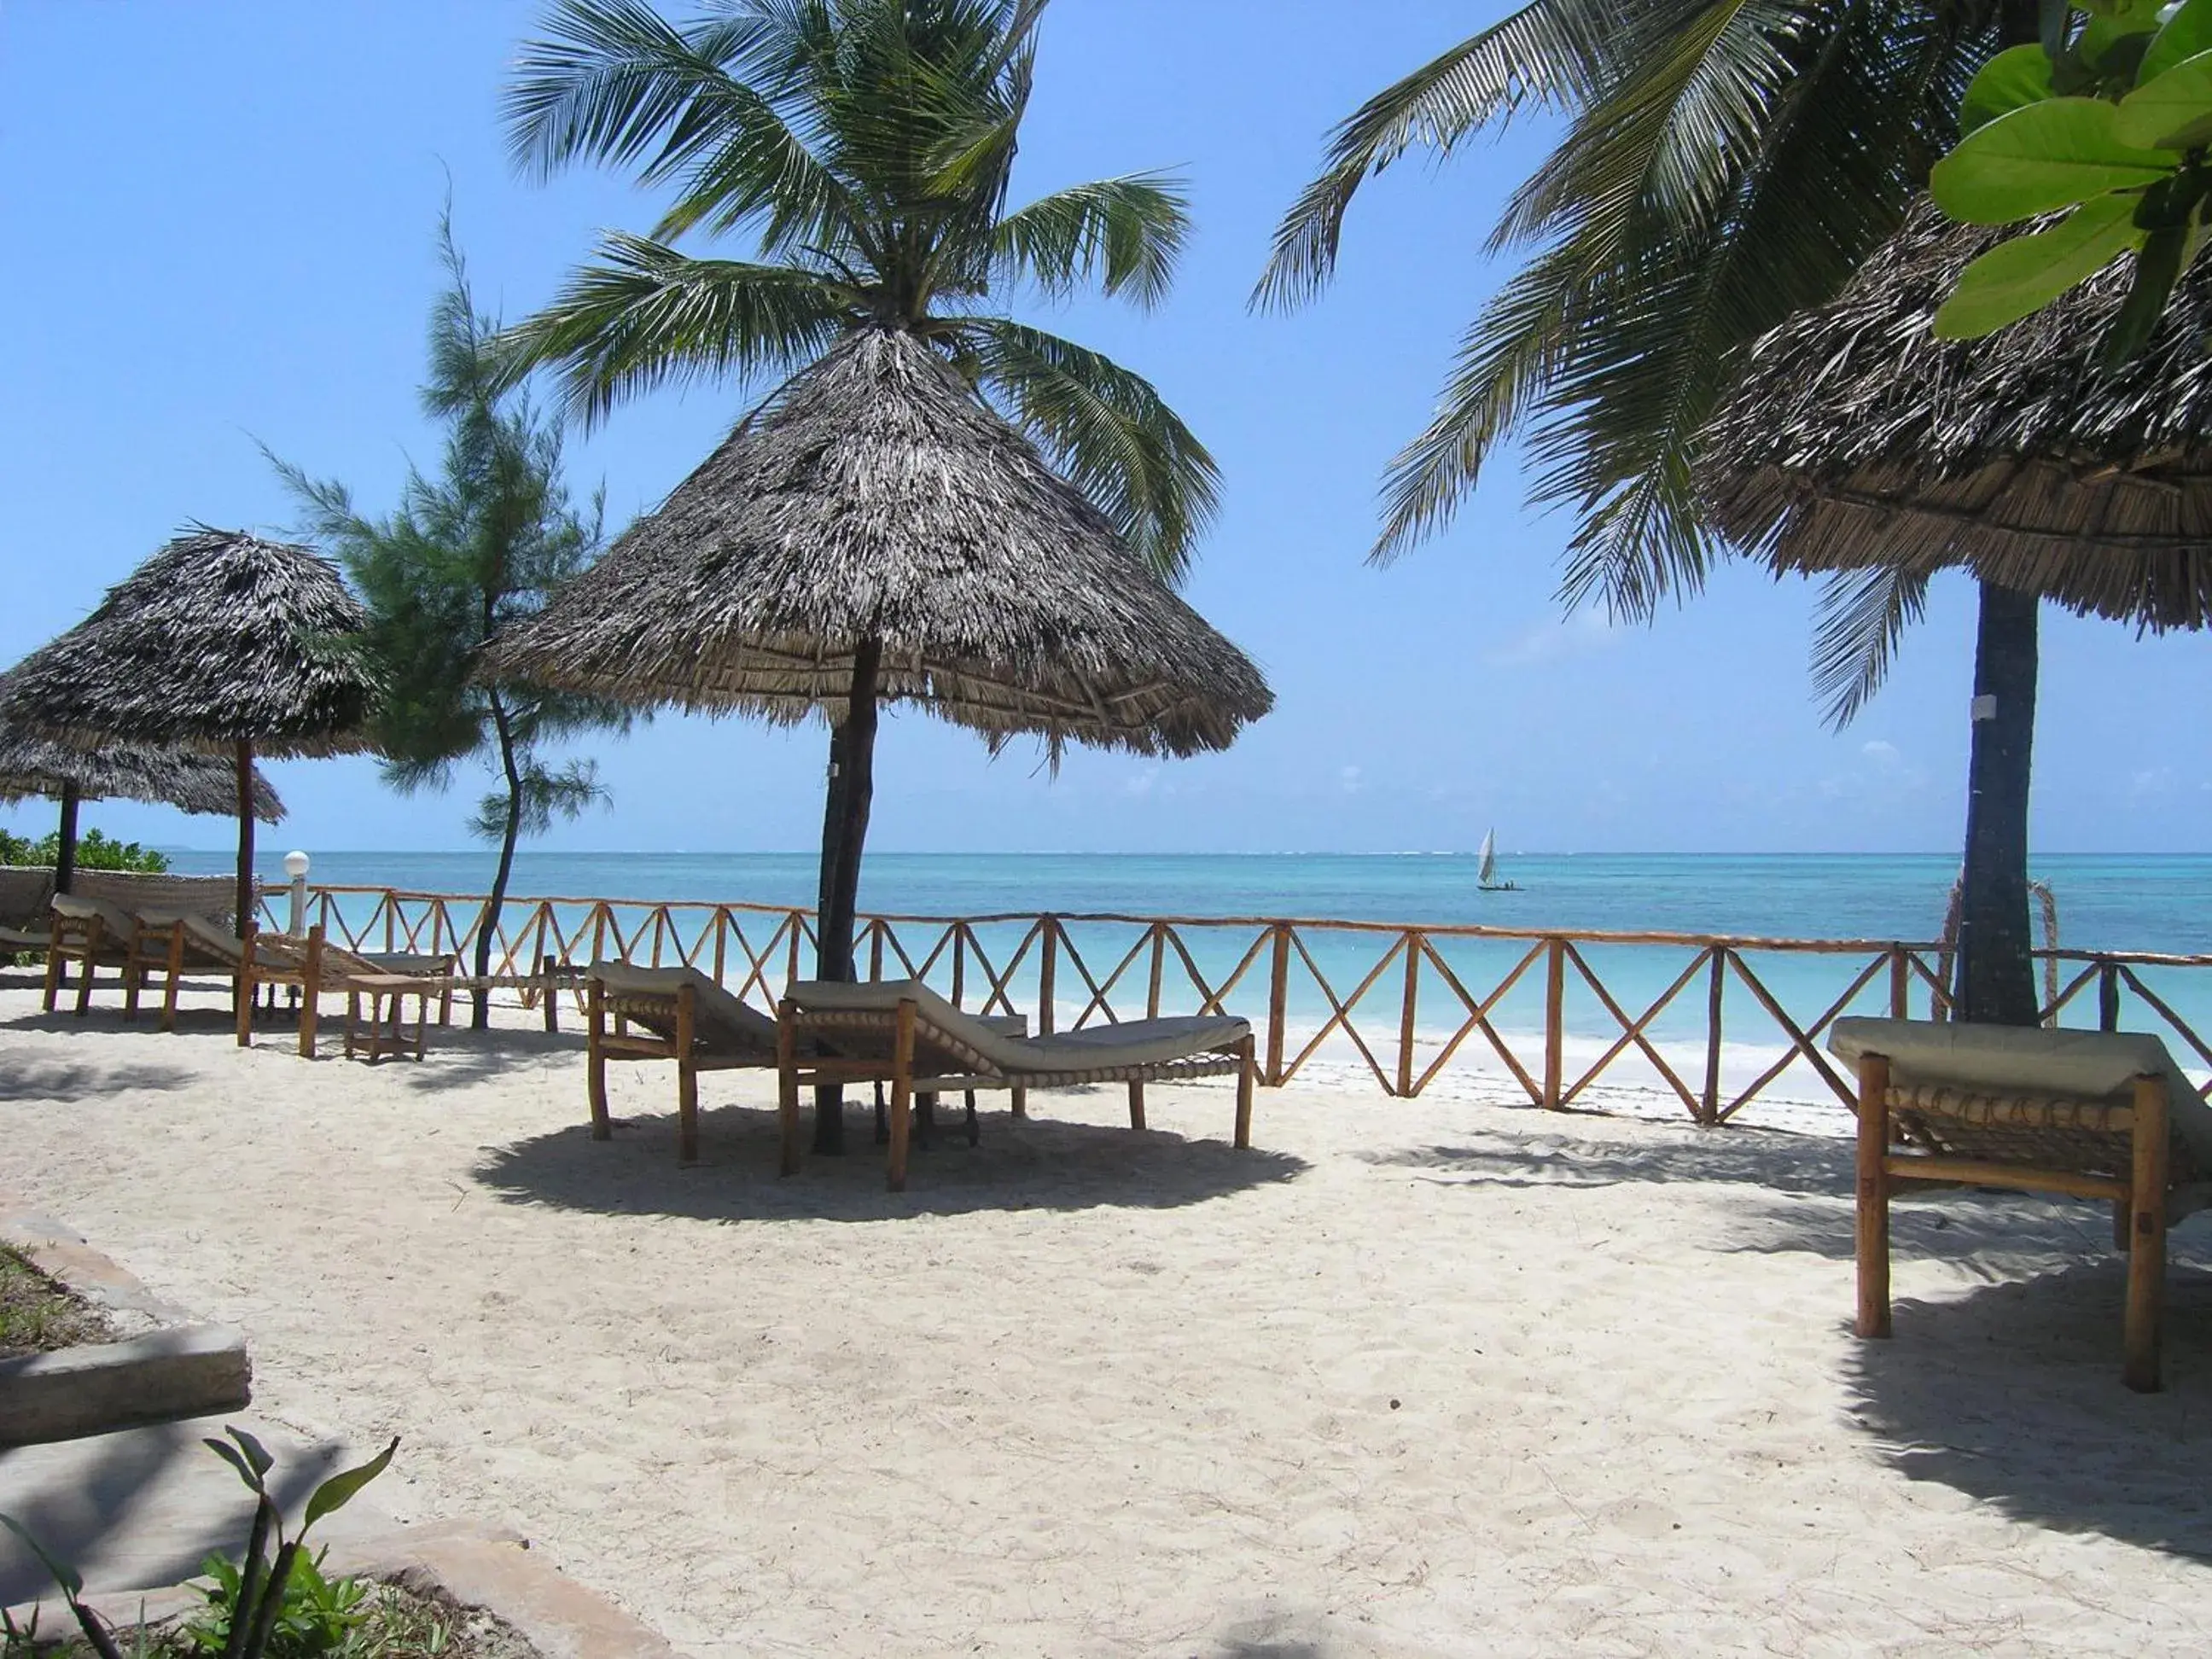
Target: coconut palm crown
867, 147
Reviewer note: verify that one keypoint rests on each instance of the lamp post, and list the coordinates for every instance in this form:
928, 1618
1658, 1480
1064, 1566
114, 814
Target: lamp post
295, 866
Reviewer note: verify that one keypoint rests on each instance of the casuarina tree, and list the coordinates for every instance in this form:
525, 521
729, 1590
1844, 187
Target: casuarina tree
485, 543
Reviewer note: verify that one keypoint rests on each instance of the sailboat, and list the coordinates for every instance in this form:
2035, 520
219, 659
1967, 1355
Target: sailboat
1485, 871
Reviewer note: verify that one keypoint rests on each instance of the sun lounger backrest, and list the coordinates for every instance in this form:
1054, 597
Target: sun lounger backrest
204, 935
2031, 1061
882, 996
716, 1010
77, 907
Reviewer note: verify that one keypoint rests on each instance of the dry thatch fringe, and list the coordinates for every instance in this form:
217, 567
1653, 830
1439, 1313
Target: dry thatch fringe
219, 638
875, 497
31, 765
1857, 438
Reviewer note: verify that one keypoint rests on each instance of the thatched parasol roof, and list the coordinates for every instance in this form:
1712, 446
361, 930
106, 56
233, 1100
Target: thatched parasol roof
875, 497
1857, 438
128, 771
220, 638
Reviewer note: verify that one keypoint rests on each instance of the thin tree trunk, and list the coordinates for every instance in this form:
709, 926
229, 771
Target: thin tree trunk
844, 836
248, 900
487, 925
66, 850
1995, 982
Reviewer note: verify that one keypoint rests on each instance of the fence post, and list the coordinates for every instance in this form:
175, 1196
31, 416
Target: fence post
1900, 983
2108, 997
1555, 1007
1159, 961
1715, 991
1412, 943
1050, 931
548, 971
798, 932
1279, 996
959, 962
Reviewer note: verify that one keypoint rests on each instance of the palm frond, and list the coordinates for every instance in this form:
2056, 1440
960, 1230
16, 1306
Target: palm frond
1124, 234
1552, 53
648, 316
1109, 430
1859, 620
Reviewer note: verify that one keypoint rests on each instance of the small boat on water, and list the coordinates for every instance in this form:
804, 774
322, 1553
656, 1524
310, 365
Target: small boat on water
1485, 871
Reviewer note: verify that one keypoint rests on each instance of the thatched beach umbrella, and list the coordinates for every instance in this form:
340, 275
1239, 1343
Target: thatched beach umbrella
1856, 440
221, 642
873, 533
191, 782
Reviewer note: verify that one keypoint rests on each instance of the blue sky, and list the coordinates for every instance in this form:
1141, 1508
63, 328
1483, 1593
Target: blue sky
221, 217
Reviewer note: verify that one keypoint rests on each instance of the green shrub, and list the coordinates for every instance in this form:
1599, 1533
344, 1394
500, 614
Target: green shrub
93, 852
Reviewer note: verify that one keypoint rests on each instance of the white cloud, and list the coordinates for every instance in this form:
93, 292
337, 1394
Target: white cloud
1880, 753
1142, 783
1351, 781
1553, 642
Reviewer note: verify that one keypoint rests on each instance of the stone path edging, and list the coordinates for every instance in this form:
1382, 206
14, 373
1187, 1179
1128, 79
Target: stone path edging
174, 1367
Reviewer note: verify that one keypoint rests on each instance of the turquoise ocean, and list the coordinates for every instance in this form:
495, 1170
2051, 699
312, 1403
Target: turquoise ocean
2159, 904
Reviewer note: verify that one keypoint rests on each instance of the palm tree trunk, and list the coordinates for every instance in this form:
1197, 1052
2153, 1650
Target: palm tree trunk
488, 924
844, 835
1995, 982
65, 840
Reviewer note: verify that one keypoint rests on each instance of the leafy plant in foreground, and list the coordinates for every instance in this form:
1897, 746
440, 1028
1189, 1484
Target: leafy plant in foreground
265, 1608
2107, 125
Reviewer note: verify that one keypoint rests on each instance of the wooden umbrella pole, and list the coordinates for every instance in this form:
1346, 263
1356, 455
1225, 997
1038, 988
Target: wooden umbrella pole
844, 833
65, 852
246, 895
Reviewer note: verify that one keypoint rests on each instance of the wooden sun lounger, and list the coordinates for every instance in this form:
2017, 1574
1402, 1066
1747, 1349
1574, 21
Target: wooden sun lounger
2095, 1114
901, 1032
24, 940
89, 932
668, 1013
171, 943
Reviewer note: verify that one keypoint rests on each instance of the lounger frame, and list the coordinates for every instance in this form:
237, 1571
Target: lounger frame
671, 1032
905, 1048
1943, 1136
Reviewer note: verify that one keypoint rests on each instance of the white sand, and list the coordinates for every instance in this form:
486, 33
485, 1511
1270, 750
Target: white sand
1436, 1377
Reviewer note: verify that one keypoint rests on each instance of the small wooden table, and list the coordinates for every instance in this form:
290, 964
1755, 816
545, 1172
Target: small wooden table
377, 1037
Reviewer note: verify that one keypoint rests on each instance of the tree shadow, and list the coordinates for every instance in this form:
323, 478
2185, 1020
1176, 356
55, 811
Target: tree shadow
1771, 1158
1021, 1163
70, 1080
458, 1057
2011, 1394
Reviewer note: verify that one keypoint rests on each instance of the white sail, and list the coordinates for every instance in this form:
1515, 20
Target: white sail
1486, 871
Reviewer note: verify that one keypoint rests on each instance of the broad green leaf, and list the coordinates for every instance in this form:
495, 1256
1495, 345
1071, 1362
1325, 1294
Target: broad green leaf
2124, 16
2158, 267
72, 1585
336, 1492
2018, 278
2187, 33
231, 1455
2038, 159
256, 1453
2014, 77
2173, 111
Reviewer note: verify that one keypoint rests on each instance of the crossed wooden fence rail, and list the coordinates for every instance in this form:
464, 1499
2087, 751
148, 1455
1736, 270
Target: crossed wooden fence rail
753, 950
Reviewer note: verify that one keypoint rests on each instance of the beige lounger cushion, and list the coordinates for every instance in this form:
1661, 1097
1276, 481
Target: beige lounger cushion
716, 1009
212, 940
2013, 1060
1132, 1042
77, 907
17, 938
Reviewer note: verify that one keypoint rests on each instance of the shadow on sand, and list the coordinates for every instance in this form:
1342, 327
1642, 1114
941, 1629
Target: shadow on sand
1032, 1164
51, 1080
1758, 1157
2011, 1394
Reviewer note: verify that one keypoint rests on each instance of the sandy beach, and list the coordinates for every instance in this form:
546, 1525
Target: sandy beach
1433, 1378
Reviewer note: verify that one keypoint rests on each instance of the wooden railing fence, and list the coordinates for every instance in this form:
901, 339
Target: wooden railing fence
1419, 997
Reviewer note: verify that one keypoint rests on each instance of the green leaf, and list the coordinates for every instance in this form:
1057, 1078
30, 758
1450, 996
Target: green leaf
338, 1491
2158, 267
2015, 77
2187, 33
2038, 159
2173, 111
256, 1453
72, 1584
2019, 277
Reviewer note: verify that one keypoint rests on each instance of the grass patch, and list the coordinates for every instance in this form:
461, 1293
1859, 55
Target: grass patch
38, 1315
394, 1622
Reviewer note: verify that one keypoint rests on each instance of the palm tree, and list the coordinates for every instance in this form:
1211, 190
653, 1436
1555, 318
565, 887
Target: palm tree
1724, 167
867, 148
